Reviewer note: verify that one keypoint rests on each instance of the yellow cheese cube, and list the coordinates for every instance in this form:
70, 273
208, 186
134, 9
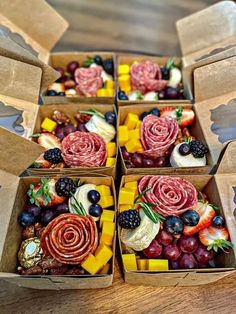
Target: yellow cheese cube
123, 69
108, 230
110, 84
103, 189
92, 265
107, 215
123, 136
127, 90
124, 207
102, 92
134, 134
142, 264
133, 185
135, 62
129, 261
124, 81
138, 125
140, 150
105, 269
126, 196
133, 146
131, 120
110, 92
106, 201
111, 149
157, 264
110, 162
103, 253
48, 125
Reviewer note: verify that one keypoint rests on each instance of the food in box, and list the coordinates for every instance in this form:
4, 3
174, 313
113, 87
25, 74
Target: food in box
67, 228
166, 224
86, 139
92, 78
161, 138
148, 81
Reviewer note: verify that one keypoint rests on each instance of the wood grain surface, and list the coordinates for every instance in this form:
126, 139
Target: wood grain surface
134, 25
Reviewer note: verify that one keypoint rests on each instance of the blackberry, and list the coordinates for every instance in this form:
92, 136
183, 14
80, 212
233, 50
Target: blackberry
53, 155
129, 219
65, 186
198, 149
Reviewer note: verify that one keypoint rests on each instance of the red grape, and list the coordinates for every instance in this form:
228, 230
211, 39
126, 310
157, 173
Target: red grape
172, 252
33, 209
60, 70
171, 93
69, 128
47, 216
161, 162
174, 264
81, 127
59, 132
137, 160
202, 255
72, 66
153, 250
62, 208
188, 261
148, 163
188, 244
201, 265
125, 154
164, 237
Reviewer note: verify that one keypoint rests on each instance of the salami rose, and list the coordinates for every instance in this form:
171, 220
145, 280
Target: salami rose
89, 80
83, 149
70, 238
146, 76
172, 195
158, 134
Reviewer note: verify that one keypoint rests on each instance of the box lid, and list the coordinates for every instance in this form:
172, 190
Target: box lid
39, 32
214, 27
215, 105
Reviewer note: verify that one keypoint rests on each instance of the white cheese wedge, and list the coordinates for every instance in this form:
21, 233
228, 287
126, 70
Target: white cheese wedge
99, 126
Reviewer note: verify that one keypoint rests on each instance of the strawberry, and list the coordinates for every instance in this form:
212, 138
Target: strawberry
58, 87
206, 213
48, 140
40, 162
215, 238
44, 193
184, 116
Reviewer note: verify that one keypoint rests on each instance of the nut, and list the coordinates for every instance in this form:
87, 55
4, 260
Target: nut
60, 117
28, 232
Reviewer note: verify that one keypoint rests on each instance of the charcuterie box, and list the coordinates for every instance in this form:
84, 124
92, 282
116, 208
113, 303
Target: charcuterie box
13, 200
130, 166
220, 191
205, 37
39, 34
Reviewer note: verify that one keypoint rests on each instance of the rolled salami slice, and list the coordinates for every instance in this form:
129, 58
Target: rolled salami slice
70, 238
83, 149
158, 134
89, 80
146, 76
172, 195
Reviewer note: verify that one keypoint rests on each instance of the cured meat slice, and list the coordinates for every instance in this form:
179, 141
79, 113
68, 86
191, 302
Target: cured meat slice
70, 238
83, 149
146, 76
172, 195
158, 134
89, 80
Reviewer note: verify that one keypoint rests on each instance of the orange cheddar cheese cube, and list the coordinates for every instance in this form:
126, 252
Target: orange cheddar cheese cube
123, 135
102, 92
92, 265
48, 125
111, 149
106, 201
105, 269
142, 264
134, 134
157, 264
110, 92
129, 261
110, 162
108, 230
133, 185
133, 145
103, 253
104, 190
107, 215
126, 196
131, 120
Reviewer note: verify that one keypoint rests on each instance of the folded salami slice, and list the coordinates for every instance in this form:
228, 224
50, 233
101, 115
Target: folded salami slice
158, 134
172, 195
70, 238
146, 76
89, 80
84, 149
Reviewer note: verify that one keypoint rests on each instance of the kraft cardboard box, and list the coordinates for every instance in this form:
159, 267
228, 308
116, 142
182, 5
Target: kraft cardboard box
220, 190
195, 130
13, 191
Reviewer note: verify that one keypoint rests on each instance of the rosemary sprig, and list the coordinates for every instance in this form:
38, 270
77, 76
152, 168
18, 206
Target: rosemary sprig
78, 206
171, 64
93, 112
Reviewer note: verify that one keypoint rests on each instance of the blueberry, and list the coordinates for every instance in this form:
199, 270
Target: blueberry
190, 218
144, 114
184, 149
122, 96
161, 95
108, 66
61, 94
95, 210
165, 73
155, 112
98, 60
218, 221
110, 117
174, 225
26, 219
94, 196
51, 92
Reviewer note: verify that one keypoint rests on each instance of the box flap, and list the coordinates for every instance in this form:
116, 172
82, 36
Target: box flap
42, 28
228, 161
213, 27
16, 152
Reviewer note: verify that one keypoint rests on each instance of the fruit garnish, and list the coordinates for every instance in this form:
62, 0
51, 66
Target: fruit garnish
98, 60
215, 238
218, 221
95, 210
206, 213
108, 66
190, 218
129, 219
47, 140
110, 118
40, 162
164, 237
171, 252
94, 196
65, 186
174, 225
184, 116
53, 155
188, 244
188, 261
71, 67
203, 255
26, 219
184, 149
154, 250
198, 149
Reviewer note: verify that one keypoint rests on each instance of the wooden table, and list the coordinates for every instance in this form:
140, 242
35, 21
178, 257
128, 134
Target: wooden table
134, 25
